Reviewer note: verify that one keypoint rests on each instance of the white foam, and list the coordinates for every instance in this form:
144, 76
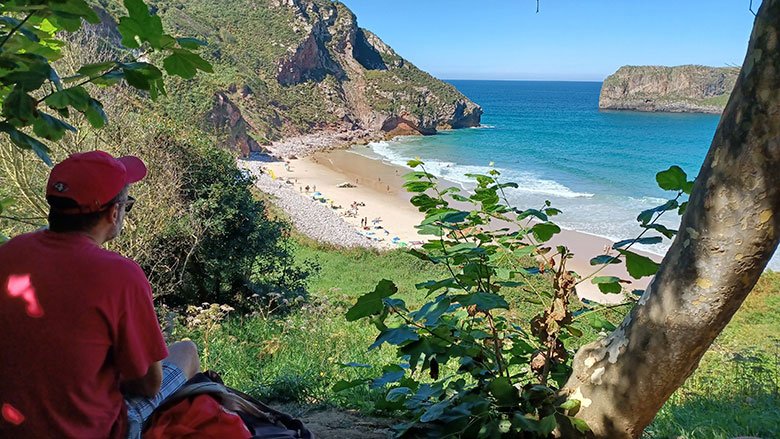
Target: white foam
528, 182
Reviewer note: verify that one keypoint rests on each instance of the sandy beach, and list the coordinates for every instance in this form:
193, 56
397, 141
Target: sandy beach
362, 201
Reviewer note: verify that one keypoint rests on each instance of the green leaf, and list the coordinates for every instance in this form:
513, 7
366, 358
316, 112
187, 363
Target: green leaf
688, 187
505, 393
532, 212
571, 404
24, 141
639, 266
605, 280
547, 425
397, 393
435, 411
484, 301
136, 79
425, 202
140, 25
95, 114
610, 288
418, 186
648, 240
669, 233
185, 64
76, 8
544, 231
76, 97
608, 284
190, 43
413, 163
673, 179
96, 68
371, 303
647, 215
11, 22
598, 322
19, 107
431, 312
51, 128
109, 79
29, 71
390, 374
455, 217
604, 259
525, 424
395, 336
579, 424
344, 385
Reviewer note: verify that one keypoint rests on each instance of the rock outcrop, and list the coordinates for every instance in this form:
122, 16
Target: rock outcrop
309, 68
689, 88
225, 117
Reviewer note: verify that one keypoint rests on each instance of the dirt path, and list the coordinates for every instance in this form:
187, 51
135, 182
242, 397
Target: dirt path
340, 424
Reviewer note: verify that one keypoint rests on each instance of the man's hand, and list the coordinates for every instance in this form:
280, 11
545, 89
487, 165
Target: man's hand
148, 385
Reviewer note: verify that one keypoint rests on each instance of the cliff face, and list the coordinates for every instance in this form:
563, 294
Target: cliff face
696, 89
310, 68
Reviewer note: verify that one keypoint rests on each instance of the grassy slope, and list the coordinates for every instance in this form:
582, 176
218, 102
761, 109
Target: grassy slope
734, 392
298, 356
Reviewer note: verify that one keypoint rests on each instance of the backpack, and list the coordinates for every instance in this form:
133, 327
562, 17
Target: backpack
262, 421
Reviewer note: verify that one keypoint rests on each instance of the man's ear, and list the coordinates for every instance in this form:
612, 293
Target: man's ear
113, 213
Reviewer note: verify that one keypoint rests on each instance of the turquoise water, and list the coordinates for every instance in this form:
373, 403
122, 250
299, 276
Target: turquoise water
597, 166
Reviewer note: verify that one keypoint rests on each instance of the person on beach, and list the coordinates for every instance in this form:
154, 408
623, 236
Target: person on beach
82, 351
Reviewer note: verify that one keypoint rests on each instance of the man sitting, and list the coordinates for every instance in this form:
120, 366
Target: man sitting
81, 351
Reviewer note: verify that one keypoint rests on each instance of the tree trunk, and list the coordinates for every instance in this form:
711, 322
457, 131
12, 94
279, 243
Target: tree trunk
728, 234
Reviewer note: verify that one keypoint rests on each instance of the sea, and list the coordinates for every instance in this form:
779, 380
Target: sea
550, 137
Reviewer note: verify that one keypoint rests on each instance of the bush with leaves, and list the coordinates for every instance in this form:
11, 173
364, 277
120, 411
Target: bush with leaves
466, 369
240, 251
37, 102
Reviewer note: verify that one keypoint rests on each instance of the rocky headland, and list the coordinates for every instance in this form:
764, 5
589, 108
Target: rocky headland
680, 89
302, 71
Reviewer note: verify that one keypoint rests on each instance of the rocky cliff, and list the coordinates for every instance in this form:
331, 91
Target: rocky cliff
697, 89
291, 67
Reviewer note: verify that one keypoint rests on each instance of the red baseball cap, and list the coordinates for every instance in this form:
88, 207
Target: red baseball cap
92, 179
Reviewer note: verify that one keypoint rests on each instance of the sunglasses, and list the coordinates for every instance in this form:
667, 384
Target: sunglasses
128, 203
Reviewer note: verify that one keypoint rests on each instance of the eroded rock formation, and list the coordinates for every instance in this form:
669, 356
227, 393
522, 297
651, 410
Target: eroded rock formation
697, 89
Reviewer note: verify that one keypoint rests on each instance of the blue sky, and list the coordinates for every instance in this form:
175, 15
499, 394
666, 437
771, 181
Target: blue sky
567, 40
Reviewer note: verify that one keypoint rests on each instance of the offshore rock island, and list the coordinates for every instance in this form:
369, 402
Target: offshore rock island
680, 89
304, 69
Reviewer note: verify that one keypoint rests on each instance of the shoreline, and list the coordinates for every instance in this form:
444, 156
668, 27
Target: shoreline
383, 206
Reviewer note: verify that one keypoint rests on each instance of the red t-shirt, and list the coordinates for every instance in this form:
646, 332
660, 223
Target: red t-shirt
74, 318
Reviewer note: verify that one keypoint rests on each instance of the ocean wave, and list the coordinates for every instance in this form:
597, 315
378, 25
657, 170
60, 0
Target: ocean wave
483, 127
458, 173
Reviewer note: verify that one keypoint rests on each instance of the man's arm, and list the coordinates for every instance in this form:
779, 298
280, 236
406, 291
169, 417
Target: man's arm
148, 385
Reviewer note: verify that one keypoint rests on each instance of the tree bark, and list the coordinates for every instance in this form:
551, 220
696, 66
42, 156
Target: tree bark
727, 236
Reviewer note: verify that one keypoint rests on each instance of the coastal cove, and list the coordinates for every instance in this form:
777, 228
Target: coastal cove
550, 137
597, 166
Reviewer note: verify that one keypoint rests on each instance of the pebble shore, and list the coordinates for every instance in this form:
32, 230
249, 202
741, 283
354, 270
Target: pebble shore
307, 144
312, 218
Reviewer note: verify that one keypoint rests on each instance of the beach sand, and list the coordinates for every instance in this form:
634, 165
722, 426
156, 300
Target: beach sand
389, 215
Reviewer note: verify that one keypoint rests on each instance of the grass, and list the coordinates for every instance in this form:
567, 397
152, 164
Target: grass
298, 357
736, 389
